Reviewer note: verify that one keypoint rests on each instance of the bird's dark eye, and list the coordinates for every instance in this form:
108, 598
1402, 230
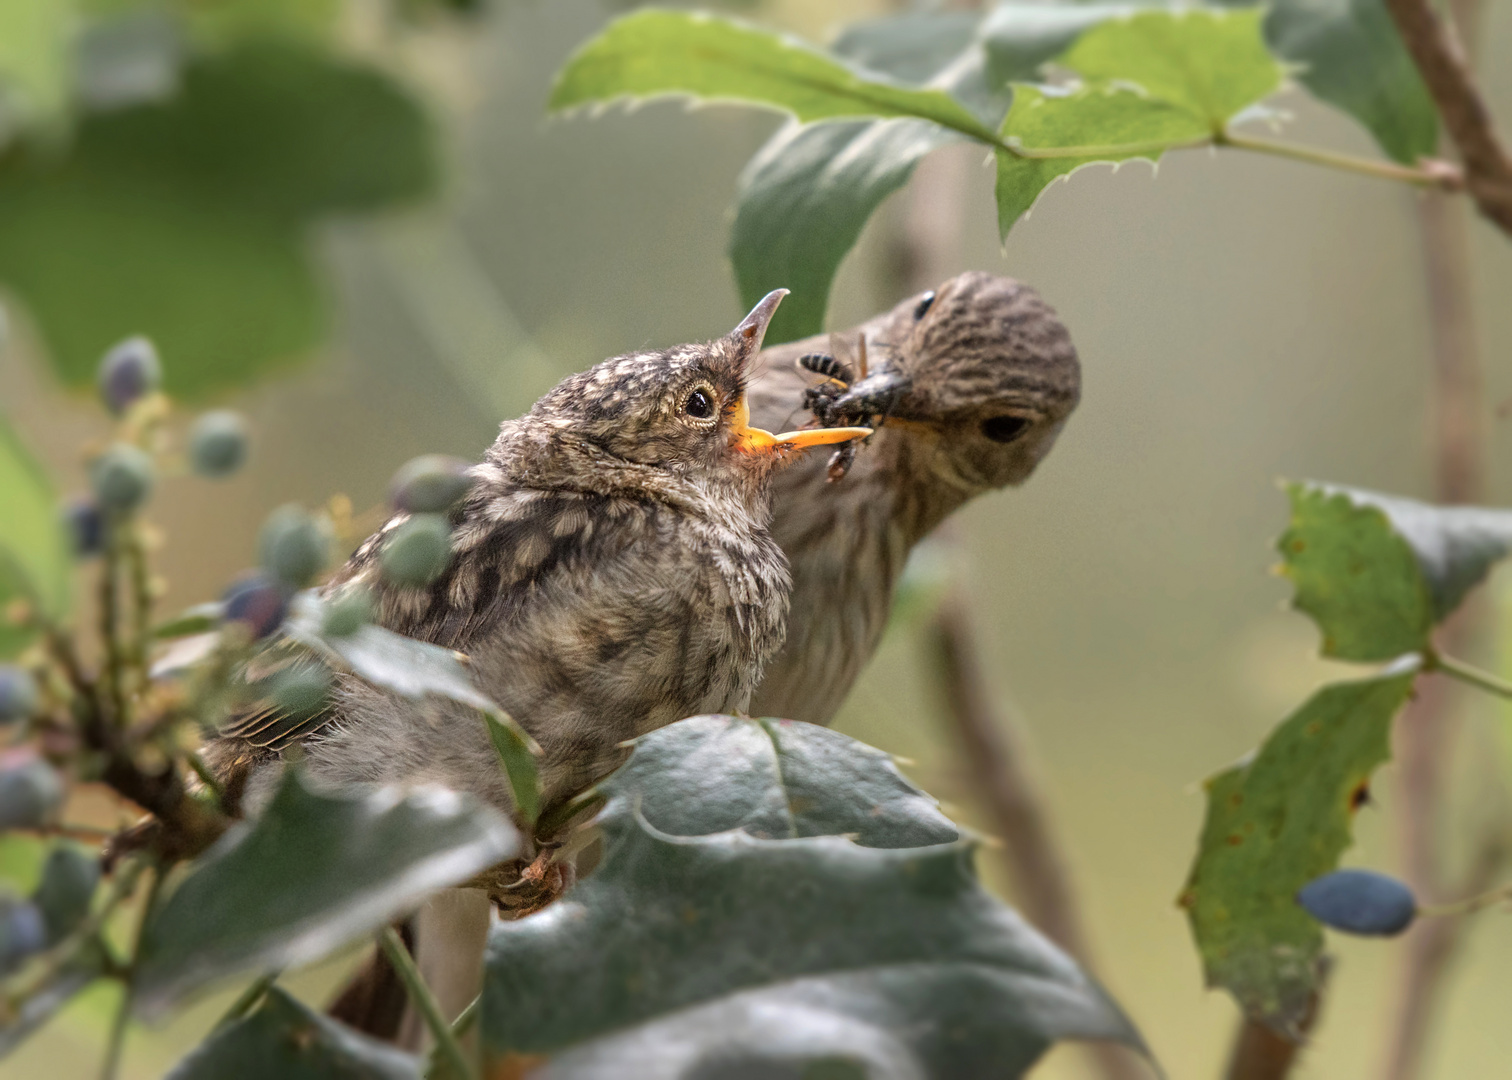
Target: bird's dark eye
1004, 429
700, 405
923, 306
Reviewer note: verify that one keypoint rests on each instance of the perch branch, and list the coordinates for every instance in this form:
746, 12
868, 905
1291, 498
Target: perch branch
1443, 62
1262, 1053
1000, 766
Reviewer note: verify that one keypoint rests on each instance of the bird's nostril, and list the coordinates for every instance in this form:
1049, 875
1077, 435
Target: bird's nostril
1004, 429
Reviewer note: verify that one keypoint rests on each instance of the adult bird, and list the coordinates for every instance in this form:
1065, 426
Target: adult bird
969, 386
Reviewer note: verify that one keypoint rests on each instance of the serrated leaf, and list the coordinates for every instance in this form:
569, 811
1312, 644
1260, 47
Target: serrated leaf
315, 869
186, 220
804, 950
1349, 54
1276, 822
661, 53
777, 780
1378, 572
36, 567
1019, 37
287, 1039
803, 199
1153, 81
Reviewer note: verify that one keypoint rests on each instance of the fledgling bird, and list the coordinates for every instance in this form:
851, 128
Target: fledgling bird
612, 572
970, 385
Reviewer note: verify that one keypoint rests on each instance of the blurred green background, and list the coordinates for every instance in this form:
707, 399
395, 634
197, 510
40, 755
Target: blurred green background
1239, 319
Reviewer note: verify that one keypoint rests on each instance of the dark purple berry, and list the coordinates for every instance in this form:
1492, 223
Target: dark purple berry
19, 699
430, 484
129, 371
256, 600
85, 526
1359, 902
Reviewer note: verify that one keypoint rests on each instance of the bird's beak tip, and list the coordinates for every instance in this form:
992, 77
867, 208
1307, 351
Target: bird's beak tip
752, 329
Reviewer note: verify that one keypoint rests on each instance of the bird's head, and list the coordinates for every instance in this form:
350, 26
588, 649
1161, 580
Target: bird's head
679, 414
985, 363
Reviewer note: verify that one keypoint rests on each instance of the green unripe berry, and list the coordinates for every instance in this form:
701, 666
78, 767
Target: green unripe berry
348, 612
430, 484
417, 552
301, 689
19, 699
122, 477
218, 443
294, 545
68, 883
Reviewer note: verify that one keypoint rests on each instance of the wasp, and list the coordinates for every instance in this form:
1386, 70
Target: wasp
850, 394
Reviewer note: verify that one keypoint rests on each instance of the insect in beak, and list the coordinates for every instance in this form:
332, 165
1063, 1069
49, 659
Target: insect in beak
754, 440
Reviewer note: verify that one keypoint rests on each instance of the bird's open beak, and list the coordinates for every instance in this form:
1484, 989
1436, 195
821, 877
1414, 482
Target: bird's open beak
754, 440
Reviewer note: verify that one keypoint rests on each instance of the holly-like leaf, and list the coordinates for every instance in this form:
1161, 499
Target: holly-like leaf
803, 199
287, 1039
1152, 81
777, 780
661, 53
1019, 38
186, 219
697, 951
1349, 54
35, 563
315, 869
1275, 822
1378, 572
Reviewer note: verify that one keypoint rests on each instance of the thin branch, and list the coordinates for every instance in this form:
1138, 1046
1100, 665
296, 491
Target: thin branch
425, 1002
999, 762
114, 675
247, 1000
1262, 1053
1442, 60
1437, 174
1472, 676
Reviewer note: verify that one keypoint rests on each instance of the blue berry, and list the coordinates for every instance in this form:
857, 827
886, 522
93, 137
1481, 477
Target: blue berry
218, 443
256, 600
85, 526
417, 551
23, 932
430, 484
1359, 902
129, 371
31, 792
295, 546
122, 477
18, 694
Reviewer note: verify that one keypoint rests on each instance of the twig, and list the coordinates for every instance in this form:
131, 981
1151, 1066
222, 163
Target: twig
114, 675
122, 1019
420, 996
1442, 60
464, 1023
248, 999
1261, 1052
999, 762
1471, 675
1437, 174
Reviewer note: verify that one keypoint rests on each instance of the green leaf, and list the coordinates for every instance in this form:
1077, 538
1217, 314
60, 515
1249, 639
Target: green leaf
1377, 572
517, 753
659, 53
1152, 81
34, 62
699, 953
1350, 55
186, 220
29, 1004
287, 1039
314, 870
803, 199
1276, 822
36, 567
777, 780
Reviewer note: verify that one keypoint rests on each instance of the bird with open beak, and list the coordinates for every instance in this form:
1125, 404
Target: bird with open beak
612, 572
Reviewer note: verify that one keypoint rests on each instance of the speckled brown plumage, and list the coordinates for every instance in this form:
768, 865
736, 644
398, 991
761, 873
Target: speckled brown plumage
985, 348
612, 572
